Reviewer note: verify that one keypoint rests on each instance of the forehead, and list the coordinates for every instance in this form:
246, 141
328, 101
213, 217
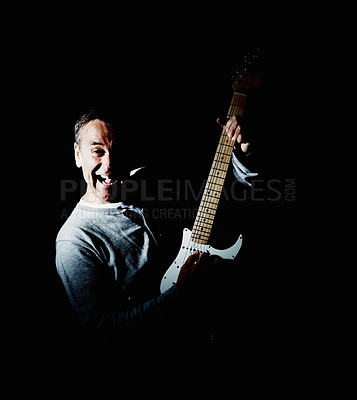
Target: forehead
98, 132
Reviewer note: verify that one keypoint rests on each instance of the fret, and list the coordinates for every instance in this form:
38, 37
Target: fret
203, 233
203, 236
212, 180
197, 240
207, 205
203, 229
215, 183
223, 156
219, 160
214, 170
226, 154
217, 164
236, 110
207, 193
204, 224
216, 180
237, 105
210, 202
212, 192
228, 143
205, 213
206, 208
219, 169
225, 150
204, 219
215, 200
200, 230
218, 174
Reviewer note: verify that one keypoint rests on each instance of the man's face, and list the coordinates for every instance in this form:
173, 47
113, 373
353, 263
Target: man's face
96, 156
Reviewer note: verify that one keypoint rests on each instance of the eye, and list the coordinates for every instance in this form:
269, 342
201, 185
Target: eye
98, 152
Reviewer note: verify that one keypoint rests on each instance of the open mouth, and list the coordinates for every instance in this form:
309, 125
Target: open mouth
106, 180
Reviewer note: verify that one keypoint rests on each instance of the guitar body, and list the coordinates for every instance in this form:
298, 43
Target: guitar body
187, 249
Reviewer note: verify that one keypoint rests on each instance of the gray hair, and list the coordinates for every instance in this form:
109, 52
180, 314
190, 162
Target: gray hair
90, 115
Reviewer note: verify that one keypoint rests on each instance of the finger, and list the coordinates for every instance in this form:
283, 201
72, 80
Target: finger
216, 259
192, 259
237, 135
244, 147
207, 259
229, 124
232, 126
220, 122
202, 257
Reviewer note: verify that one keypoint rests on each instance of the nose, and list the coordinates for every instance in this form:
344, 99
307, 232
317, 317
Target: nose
106, 162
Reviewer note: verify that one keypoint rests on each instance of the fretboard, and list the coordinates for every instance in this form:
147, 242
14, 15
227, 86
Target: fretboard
209, 203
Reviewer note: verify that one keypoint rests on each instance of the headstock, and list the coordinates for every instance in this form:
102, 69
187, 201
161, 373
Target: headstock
248, 75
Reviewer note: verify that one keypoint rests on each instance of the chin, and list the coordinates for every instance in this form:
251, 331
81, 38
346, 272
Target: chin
107, 196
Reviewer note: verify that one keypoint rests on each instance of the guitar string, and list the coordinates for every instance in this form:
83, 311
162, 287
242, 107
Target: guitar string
192, 245
199, 225
223, 146
236, 108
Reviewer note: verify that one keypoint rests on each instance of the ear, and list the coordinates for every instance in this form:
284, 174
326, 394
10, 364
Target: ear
77, 155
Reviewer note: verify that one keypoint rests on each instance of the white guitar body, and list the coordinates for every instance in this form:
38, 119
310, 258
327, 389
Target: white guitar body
187, 249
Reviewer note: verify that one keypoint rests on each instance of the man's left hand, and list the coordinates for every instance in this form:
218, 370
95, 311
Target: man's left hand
234, 131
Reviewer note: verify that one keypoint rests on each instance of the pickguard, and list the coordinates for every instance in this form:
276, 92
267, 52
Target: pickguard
187, 249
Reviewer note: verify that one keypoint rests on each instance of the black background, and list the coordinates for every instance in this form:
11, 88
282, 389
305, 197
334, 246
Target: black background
168, 79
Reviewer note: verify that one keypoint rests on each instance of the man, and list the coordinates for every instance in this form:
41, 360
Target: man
108, 257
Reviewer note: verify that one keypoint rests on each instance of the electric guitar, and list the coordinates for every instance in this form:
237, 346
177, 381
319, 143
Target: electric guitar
198, 238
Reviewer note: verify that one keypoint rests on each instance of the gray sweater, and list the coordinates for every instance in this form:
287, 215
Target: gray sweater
99, 253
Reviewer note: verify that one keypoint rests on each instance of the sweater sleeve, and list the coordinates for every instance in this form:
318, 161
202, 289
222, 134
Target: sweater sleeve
98, 301
241, 172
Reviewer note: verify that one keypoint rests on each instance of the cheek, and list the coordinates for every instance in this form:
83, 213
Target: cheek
88, 168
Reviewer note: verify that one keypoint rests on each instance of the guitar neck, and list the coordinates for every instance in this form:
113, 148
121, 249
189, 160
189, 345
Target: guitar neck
209, 203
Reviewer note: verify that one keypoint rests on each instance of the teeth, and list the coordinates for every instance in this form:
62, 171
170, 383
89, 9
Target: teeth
105, 180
